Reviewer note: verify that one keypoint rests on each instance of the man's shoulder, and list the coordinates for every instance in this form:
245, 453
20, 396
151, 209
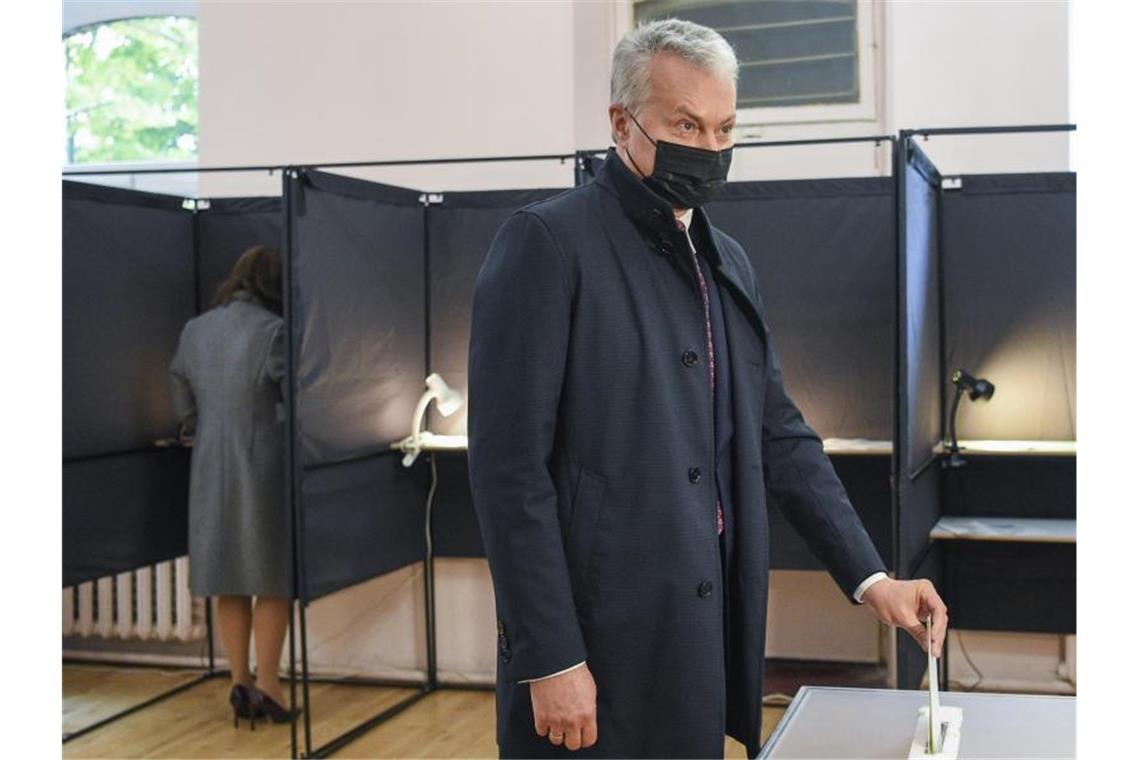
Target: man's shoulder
727, 241
563, 211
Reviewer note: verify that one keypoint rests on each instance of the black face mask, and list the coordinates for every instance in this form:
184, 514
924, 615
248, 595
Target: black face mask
686, 177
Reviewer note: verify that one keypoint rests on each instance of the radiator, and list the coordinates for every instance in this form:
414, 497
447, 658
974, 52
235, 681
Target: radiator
151, 603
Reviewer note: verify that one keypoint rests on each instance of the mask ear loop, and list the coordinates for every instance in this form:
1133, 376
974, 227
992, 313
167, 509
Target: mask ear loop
647, 137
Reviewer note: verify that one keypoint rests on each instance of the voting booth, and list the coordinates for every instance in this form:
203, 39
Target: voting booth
987, 283
136, 267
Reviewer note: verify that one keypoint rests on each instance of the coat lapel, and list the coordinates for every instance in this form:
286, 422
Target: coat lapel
731, 277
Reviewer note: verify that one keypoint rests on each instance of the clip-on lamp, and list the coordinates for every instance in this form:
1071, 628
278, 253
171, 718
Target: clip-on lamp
977, 388
447, 401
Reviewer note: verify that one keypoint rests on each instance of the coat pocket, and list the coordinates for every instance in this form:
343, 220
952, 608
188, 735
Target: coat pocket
586, 506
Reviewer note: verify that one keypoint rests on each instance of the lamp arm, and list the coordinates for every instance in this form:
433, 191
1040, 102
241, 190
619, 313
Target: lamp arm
411, 444
420, 413
954, 420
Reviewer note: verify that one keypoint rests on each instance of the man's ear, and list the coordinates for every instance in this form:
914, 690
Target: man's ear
618, 136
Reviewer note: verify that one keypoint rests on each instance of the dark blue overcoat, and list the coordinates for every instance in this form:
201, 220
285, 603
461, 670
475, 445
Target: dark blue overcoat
586, 414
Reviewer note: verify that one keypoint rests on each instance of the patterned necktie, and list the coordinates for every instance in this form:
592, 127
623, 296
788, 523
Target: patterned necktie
708, 347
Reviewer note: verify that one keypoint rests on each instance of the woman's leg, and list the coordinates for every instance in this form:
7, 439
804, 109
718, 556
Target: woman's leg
234, 620
270, 620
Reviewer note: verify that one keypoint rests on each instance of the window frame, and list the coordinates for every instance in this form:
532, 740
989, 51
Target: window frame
868, 28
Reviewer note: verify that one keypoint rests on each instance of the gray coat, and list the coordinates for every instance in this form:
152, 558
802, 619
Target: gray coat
225, 381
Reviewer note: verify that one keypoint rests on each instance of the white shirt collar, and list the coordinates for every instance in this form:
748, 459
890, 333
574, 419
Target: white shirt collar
686, 218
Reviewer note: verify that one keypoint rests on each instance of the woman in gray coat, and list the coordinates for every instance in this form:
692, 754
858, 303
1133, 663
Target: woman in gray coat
226, 384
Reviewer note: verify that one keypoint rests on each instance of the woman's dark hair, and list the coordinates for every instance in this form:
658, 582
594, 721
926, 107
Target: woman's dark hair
257, 272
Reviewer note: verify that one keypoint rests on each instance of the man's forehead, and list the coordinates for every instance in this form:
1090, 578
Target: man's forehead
672, 103
678, 86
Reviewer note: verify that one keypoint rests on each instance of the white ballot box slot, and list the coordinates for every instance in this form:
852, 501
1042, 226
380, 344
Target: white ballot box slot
947, 734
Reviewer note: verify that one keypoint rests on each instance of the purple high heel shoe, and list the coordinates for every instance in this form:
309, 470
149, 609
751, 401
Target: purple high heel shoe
241, 698
262, 706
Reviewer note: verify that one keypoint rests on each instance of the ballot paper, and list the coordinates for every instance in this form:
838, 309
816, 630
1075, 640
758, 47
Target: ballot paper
934, 725
939, 729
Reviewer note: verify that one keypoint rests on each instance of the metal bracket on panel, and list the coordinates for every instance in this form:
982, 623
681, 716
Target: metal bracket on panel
196, 204
951, 183
431, 199
296, 175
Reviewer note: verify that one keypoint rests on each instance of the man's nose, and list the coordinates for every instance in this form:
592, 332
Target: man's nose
707, 140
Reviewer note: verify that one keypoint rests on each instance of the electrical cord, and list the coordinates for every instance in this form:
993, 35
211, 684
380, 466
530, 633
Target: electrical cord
970, 662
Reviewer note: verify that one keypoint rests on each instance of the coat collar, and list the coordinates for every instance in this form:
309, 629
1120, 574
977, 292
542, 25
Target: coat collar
654, 214
646, 208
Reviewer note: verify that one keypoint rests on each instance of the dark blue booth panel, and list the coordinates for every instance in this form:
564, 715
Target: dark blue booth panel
1012, 586
1012, 486
123, 512
921, 318
1010, 258
362, 519
919, 423
128, 288
359, 315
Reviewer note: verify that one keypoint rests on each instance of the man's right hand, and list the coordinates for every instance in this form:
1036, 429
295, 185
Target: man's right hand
565, 708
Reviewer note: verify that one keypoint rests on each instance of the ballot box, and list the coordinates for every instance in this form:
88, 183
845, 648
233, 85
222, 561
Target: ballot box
829, 722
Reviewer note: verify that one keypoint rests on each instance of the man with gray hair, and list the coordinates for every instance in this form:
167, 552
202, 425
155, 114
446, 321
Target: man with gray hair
628, 423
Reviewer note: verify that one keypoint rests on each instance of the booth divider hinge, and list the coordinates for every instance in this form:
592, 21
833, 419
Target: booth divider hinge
951, 183
196, 204
431, 199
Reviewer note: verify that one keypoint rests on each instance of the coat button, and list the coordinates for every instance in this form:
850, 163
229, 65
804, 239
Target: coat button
704, 588
689, 358
501, 628
694, 474
505, 656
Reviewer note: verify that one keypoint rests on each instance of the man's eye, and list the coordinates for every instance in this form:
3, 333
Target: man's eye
687, 126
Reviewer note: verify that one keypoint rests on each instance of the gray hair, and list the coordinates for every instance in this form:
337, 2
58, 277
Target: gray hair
629, 82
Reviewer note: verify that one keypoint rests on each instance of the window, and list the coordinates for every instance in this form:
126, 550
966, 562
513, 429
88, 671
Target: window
132, 91
800, 60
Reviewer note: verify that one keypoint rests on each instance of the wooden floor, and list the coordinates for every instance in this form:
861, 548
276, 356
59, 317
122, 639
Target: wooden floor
197, 722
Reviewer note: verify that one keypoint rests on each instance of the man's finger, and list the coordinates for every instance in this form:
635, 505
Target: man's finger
573, 738
557, 735
541, 725
590, 732
934, 606
918, 633
941, 624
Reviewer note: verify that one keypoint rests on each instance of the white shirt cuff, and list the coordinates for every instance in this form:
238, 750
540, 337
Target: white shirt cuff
543, 678
870, 581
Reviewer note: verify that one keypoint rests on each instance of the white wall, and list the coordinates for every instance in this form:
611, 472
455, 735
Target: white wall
953, 64
319, 81
325, 82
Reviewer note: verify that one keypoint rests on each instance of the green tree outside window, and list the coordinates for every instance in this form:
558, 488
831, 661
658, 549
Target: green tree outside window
132, 91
